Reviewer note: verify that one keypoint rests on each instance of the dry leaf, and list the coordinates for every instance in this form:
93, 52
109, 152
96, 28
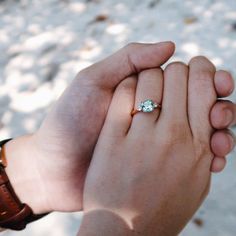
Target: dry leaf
190, 20
101, 18
198, 222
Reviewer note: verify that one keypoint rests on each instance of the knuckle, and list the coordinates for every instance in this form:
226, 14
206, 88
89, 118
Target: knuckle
83, 73
202, 61
204, 80
178, 133
204, 76
82, 76
88, 77
128, 52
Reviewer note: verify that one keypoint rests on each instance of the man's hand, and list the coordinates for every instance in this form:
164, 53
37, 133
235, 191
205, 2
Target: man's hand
55, 159
223, 115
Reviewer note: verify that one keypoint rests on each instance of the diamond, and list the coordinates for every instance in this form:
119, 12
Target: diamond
140, 107
148, 106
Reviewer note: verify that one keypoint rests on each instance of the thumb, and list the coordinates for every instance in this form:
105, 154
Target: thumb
129, 60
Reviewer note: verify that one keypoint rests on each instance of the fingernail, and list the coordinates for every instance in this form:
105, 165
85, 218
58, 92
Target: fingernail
228, 117
231, 142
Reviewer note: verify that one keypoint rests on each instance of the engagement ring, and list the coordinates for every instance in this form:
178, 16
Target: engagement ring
146, 106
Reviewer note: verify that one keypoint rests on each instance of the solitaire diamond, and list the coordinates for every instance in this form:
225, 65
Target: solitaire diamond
147, 106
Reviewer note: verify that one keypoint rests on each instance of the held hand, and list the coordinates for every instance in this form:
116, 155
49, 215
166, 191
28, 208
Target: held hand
150, 173
223, 115
59, 153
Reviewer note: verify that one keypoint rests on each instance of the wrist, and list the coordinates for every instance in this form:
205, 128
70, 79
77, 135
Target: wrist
22, 171
103, 222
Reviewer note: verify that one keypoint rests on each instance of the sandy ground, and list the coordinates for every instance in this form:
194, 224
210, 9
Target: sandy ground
44, 43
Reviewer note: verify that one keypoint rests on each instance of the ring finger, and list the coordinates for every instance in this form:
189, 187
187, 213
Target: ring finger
149, 87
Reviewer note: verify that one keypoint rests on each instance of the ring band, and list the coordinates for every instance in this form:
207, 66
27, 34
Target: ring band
146, 106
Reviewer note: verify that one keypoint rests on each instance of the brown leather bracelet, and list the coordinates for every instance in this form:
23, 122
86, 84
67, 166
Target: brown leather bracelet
13, 214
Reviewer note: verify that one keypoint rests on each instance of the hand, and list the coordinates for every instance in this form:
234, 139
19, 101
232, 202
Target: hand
150, 173
223, 115
47, 169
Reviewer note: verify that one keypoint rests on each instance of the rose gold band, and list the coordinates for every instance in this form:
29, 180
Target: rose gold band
135, 111
3, 160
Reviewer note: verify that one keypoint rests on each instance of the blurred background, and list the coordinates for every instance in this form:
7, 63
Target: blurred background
44, 43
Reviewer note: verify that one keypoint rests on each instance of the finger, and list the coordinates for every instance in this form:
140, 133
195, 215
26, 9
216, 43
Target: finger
149, 87
223, 115
222, 143
127, 61
224, 83
118, 118
201, 97
218, 164
174, 105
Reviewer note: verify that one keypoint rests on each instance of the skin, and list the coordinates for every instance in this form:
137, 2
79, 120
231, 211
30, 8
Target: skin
150, 173
61, 150
223, 140
69, 123
59, 153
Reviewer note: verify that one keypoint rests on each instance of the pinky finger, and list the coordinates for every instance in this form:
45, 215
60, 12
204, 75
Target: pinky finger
218, 164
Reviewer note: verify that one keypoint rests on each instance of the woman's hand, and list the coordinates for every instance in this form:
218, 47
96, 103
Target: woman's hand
150, 173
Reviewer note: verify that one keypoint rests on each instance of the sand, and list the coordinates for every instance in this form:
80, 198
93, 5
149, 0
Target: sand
43, 44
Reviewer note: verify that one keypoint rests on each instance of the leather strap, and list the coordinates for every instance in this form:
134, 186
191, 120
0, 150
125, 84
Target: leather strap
3, 160
13, 214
